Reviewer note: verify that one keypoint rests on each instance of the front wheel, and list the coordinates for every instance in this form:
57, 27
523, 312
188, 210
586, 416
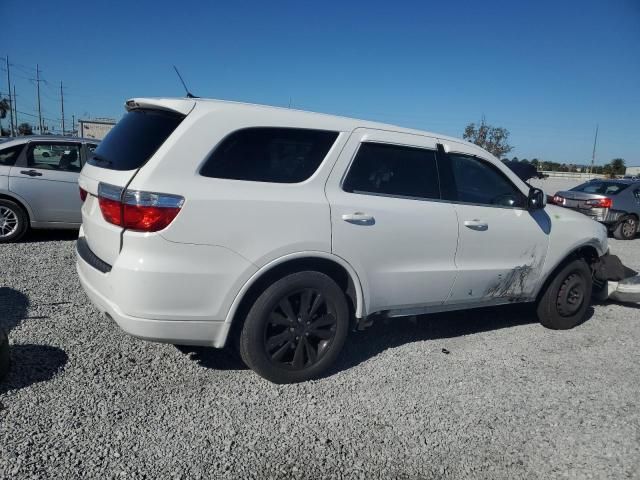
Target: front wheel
296, 328
626, 229
564, 303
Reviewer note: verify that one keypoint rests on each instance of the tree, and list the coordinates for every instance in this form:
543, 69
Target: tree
25, 129
492, 139
617, 166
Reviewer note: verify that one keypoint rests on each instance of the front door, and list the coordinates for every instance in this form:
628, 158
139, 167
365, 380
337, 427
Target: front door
502, 245
388, 221
46, 177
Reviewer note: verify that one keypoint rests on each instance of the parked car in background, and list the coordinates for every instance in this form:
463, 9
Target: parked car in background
39, 183
614, 203
209, 222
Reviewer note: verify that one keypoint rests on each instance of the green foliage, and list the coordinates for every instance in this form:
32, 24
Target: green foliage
493, 139
25, 129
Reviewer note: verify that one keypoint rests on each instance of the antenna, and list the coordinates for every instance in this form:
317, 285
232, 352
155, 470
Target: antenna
189, 94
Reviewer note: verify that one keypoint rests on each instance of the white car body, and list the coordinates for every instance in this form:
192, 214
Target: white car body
403, 256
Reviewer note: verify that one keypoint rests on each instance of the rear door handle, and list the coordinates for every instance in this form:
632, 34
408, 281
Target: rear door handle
31, 173
476, 225
358, 218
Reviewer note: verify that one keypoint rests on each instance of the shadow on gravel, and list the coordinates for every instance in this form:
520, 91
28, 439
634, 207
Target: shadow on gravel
13, 307
29, 364
32, 364
35, 236
383, 335
216, 358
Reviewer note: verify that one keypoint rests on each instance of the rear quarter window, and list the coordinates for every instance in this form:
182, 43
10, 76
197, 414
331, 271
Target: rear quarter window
134, 139
267, 154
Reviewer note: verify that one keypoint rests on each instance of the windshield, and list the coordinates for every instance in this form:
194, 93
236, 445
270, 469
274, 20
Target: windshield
135, 139
599, 187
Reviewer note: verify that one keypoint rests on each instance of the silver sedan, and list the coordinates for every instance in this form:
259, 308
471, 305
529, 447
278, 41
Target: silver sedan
39, 183
615, 203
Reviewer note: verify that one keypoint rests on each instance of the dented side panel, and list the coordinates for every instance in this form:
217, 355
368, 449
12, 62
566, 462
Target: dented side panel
503, 263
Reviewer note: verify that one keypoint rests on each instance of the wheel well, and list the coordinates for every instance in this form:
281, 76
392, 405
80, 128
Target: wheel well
19, 203
587, 253
330, 268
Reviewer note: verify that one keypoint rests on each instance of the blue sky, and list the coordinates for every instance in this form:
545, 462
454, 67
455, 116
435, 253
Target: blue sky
548, 71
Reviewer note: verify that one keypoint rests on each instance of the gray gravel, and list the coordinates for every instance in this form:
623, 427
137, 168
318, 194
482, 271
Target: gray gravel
509, 400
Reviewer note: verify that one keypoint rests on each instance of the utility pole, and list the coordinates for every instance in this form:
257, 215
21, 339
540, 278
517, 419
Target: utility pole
38, 90
15, 107
593, 155
12, 128
73, 125
62, 105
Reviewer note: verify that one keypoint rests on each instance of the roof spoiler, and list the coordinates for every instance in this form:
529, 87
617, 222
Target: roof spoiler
178, 105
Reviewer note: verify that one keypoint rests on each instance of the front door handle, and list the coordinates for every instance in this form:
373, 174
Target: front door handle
358, 218
31, 173
476, 224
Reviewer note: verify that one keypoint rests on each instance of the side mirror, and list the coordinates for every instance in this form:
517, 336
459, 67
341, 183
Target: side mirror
537, 199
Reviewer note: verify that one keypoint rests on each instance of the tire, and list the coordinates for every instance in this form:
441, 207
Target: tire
565, 301
296, 328
4, 354
626, 229
13, 221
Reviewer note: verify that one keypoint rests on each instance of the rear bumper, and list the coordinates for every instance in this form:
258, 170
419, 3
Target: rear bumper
166, 292
603, 215
180, 332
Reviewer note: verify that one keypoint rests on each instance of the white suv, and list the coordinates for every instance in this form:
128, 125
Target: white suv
207, 221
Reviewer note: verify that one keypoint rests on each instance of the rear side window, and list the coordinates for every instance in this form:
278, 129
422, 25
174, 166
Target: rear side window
8, 156
602, 188
393, 170
265, 154
135, 139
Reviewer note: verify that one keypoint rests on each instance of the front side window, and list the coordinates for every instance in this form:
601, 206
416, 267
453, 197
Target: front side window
385, 169
266, 154
476, 181
54, 156
8, 156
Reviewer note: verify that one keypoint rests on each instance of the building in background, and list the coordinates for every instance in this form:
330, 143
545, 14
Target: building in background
633, 171
97, 128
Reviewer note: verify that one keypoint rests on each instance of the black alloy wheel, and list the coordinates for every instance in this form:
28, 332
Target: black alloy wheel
300, 329
296, 328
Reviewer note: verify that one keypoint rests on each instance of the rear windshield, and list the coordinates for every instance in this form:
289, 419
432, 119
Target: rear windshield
135, 139
602, 188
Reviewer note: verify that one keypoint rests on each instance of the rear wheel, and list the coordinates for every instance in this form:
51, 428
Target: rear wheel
13, 221
296, 328
564, 303
626, 229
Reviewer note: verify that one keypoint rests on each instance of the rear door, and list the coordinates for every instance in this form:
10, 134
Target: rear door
46, 177
116, 160
388, 221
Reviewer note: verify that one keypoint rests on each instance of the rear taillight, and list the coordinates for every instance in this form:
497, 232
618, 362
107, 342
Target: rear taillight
83, 194
600, 202
558, 200
142, 211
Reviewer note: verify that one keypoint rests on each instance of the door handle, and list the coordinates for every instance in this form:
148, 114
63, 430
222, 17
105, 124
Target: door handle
358, 218
31, 173
476, 224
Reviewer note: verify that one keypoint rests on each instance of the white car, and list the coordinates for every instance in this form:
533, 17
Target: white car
210, 222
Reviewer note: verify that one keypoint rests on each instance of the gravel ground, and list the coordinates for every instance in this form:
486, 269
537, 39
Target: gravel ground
490, 394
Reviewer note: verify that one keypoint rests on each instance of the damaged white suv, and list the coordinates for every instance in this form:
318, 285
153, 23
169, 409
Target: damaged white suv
209, 222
